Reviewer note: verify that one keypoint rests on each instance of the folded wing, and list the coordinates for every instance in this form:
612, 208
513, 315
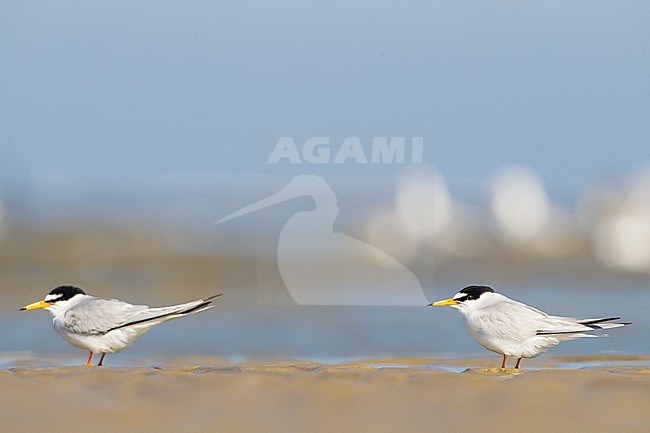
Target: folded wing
96, 316
567, 325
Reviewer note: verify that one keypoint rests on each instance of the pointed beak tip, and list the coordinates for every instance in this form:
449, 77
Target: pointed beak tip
36, 306
444, 303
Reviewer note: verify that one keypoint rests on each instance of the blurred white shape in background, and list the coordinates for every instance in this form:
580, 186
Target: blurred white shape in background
620, 222
519, 204
426, 220
526, 218
423, 203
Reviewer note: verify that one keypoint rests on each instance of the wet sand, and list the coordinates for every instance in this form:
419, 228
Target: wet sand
387, 395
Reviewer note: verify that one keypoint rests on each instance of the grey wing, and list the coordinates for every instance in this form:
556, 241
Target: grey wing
152, 316
96, 316
556, 325
512, 320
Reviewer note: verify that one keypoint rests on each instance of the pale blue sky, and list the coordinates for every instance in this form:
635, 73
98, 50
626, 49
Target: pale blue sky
157, 87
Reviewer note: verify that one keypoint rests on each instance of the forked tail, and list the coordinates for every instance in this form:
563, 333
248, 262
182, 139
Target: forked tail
587, 325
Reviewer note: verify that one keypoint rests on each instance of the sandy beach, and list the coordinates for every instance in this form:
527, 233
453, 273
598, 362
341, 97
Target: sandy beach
390, 395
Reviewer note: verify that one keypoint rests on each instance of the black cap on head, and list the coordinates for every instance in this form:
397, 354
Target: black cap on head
473, 292
63, 293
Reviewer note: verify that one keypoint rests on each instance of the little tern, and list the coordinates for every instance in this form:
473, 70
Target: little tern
106, 325
512, 328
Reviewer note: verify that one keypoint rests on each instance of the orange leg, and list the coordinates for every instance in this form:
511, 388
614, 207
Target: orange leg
518, 362
503, 364
101, 360
89, 363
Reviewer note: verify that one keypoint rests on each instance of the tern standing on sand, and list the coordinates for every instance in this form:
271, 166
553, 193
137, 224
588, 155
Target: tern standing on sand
512, 328
106, 325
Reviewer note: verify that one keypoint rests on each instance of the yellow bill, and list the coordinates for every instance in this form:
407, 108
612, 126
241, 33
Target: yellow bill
36, 305
444, 303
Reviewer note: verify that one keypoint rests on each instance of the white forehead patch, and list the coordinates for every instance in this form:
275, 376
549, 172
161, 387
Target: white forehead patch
458, 295
52, 298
